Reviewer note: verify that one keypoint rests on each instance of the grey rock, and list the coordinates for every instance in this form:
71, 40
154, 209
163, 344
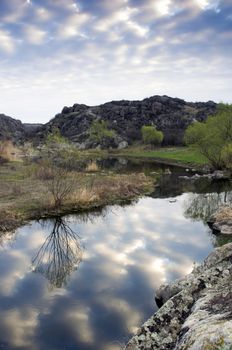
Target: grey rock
221, 225
127, 117
122, 145
196, 311
170, 115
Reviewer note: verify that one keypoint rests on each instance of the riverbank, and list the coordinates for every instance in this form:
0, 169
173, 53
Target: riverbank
196, 311
29, 191
182, 156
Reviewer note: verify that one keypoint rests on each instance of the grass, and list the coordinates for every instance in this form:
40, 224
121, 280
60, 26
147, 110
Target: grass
25, 194
185, 155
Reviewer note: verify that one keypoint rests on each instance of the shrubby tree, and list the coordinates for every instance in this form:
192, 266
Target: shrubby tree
55, 139
59, 150
151, 135
213, 138
99, 130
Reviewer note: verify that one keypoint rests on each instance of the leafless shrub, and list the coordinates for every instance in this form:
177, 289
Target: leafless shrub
61, 185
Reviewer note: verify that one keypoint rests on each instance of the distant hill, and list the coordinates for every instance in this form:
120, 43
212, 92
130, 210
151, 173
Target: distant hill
15, 130
171, 115
11, 128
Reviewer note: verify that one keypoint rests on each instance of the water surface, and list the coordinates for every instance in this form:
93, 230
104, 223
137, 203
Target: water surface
87, 282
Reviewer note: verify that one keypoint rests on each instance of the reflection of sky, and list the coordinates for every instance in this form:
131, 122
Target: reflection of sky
128, 253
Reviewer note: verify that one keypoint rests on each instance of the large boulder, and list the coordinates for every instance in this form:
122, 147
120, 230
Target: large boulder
221, 221
196, 311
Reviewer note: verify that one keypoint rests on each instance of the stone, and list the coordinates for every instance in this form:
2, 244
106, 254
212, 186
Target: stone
195, 312
122, 145
221, 221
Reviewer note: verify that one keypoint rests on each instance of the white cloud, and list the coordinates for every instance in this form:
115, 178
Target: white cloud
73, 26
163, 7
6, 42
123, 16
34, 35
43, 14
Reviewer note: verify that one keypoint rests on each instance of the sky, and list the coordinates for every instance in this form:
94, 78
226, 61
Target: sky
60, 52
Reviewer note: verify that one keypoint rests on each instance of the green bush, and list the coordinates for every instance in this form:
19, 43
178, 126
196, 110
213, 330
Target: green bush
213, 136
54, 139
151, 135
99, 130
227, 156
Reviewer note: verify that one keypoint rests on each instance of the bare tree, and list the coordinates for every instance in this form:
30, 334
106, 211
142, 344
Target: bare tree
61, 185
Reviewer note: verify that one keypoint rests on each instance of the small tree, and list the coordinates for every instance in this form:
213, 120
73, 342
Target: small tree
59, 150
99, 130
151, 135
55, 139
213, 136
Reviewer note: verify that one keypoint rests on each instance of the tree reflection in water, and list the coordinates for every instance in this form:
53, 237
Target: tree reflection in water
59, 255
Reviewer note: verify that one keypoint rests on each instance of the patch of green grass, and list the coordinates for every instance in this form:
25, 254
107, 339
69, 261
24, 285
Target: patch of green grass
178, 154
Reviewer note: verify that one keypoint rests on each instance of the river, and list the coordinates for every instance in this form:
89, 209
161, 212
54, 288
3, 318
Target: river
86, 282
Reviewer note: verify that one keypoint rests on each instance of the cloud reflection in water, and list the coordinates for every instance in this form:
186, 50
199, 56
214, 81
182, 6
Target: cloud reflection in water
128, 253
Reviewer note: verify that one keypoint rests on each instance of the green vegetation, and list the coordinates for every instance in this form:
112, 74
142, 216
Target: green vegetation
213, 139
59, 151
151, 136
185, 155
99, 130
54, 139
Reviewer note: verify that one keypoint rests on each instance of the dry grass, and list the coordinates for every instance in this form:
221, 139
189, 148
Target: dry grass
92, 167
85, 196
8, 151
26, 191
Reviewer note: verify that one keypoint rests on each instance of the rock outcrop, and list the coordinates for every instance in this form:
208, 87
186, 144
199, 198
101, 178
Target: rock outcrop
170, 115
196, 311
11, 128
221, 221
14, 130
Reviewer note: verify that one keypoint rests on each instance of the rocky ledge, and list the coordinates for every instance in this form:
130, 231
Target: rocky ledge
221, 221
196, 311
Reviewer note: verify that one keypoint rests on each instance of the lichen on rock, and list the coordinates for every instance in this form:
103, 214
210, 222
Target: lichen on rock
196, 312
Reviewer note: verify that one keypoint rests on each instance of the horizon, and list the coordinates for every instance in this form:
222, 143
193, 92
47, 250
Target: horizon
91, 105
57, 53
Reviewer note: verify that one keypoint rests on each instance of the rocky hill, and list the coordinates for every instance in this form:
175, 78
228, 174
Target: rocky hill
11, 129
15, 130
170, 115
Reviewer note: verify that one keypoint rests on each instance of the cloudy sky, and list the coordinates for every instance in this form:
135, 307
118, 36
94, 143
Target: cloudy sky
60, 52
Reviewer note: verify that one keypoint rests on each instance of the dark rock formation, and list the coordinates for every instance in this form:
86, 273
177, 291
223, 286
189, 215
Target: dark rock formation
196, 312
171, 115
11, 129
